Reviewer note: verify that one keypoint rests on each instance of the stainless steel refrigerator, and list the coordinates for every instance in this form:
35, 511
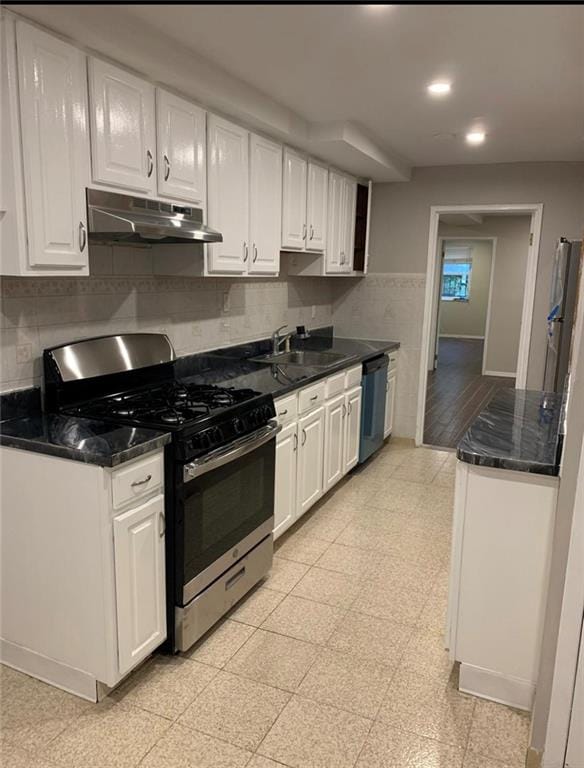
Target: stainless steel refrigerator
563, 292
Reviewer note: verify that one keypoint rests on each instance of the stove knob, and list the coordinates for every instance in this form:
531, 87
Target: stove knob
238, 425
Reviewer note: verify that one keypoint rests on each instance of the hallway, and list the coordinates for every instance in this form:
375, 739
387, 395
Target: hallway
457, 391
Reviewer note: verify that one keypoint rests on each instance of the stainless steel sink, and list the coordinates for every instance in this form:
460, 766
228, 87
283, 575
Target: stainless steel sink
303, 357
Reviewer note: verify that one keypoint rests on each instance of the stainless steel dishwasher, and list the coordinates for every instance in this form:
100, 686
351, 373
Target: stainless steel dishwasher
373, 408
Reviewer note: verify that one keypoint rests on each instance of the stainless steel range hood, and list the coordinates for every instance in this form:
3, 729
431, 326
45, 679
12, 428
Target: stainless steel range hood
114, 218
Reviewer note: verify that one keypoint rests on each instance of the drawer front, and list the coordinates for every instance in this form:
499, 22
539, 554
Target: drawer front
392, 361
335, 385
353, 377
311, 397
286, 409
136, 480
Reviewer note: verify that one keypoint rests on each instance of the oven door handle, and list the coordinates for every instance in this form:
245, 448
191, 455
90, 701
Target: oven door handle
230, 452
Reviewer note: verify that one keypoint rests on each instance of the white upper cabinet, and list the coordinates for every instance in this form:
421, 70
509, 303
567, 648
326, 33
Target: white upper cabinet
123, 128
55, 151
294, 201
342, 199
316, 215
348, 223
265, 222
228, 195
181, 159
335, 223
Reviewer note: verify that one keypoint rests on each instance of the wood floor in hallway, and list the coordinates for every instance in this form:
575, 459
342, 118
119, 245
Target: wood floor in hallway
457, 391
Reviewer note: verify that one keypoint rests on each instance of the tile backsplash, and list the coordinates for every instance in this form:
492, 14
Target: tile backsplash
387, 306
196, 313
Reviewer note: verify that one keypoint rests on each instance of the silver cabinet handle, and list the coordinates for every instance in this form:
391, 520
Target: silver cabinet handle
311, 231
245, 252
295, 442
314, 397
161, 525
255, 253
303, 437
82, 236
350, 408
344, 410
166, 167
283, 413
342, 257
304, 231
147, 479
150, 163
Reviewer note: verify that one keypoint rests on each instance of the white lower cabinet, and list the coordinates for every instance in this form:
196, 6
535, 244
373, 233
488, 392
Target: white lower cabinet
140, 581
318, 443
390, 395
310, 459
285, 481
334, 441
83, 572
352, 428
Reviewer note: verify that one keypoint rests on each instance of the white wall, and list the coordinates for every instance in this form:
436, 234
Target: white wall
122, 295
469, 318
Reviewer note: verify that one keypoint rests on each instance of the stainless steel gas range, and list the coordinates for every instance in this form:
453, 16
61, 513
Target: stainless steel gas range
220, 466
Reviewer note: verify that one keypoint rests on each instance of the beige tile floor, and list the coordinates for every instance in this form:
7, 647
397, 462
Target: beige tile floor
335, 661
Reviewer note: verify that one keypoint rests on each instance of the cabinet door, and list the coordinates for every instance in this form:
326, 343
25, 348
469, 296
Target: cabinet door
294, 201
335, 220
389, 405
310, 459
182, 149
123, 128
140, 581
334, 441
317, 207
285, 481
352, 427
349, 201
55, 141
265, 205
228, 195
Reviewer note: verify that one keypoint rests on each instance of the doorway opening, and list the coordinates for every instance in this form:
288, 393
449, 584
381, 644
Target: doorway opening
477, 322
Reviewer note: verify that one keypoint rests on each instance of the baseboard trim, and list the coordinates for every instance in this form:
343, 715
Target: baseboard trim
504, 689
50, 671
506, 374
458, 336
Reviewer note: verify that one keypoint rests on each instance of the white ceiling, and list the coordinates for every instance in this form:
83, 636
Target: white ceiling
517, 71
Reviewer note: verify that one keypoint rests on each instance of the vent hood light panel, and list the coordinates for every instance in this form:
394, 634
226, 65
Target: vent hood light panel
116, 218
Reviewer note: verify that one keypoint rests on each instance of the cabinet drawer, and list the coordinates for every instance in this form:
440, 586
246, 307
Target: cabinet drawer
286, 409
311, 397
334, 385
353, 377
137, 479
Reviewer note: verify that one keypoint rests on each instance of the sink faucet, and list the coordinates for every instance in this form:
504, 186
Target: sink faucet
277, 340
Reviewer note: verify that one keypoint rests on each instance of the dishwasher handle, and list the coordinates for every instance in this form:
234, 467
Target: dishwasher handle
375, 364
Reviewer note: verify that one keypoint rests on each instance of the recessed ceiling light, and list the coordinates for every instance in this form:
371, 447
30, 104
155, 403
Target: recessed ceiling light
475, 137
439, 88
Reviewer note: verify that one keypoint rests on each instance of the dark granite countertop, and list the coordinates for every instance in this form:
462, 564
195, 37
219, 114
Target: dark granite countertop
24, 425
520, 429
233, 367
92, 442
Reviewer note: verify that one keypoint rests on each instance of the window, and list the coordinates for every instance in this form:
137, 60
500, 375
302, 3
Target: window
456, 272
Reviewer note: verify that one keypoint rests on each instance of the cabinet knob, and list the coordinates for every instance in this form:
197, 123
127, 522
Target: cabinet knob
166, 167
150, 163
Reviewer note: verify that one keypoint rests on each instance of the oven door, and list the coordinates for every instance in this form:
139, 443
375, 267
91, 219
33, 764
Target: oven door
228, 506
